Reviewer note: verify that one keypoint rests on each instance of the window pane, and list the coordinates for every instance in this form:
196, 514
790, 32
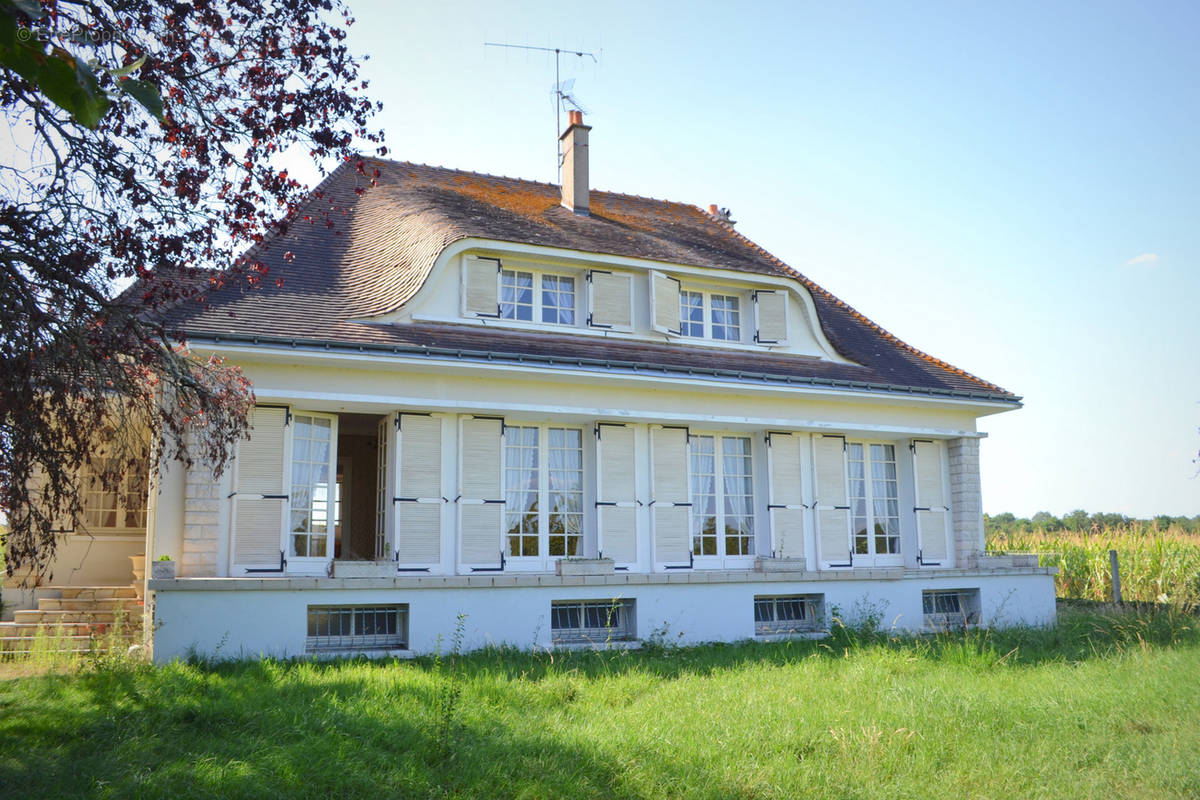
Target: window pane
704, 496
310, 496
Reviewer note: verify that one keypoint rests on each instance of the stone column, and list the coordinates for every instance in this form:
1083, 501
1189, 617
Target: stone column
966, 501
201, 511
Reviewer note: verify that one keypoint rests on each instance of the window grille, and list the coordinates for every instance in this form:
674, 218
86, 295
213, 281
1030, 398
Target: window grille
596, 621
357, 628
796, 613
950, 609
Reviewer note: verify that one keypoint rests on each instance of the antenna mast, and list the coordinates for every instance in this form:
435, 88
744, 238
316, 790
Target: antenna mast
562, 95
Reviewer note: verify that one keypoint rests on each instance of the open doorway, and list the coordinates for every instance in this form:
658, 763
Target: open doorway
358, 486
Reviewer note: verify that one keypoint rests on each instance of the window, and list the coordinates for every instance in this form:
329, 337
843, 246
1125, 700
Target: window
598, 621
543, 485
874, 502
796, 613
529, 296
950, 609
357, 628
310, 497
710, 315
722, 496
124, 507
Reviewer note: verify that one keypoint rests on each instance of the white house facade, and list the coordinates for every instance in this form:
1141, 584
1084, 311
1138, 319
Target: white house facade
552, 417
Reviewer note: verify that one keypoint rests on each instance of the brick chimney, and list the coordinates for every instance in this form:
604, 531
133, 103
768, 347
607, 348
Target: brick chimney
575, 164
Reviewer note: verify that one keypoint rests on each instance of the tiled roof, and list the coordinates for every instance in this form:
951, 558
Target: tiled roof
385, 239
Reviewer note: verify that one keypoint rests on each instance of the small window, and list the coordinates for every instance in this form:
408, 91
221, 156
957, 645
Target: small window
710, 315
529, 296
123, 507
591, 621
794, 613
950, 609
355, 628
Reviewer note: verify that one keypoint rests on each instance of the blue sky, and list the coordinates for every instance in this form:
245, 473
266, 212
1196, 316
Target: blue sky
1012, 187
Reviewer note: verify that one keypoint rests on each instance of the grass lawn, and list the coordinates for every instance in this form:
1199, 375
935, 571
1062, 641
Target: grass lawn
1107, 705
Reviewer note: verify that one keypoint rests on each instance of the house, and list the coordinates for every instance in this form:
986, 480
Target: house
569, 415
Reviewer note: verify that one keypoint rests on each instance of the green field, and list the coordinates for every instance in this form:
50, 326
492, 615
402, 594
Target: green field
1106, 705
1158, 564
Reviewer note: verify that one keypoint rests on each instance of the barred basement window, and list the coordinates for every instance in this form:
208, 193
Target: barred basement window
795, 613
594, 621
950, 609
357, 628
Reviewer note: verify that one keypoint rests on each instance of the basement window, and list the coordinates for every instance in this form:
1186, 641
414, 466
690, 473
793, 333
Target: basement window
950, 609
591, 621
356, 628
793, 613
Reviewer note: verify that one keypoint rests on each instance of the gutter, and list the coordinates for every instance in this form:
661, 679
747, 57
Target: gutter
603, 364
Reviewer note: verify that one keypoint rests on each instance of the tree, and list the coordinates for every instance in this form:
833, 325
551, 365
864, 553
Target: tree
150, 135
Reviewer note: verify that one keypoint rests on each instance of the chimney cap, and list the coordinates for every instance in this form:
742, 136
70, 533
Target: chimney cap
574, 117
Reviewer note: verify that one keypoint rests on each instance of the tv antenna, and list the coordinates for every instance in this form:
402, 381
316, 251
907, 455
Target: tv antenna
561, 90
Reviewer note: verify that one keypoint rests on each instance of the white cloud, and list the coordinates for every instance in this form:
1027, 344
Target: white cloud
1145, 258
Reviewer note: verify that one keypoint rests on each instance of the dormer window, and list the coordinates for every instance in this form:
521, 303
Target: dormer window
529, 296
710, 315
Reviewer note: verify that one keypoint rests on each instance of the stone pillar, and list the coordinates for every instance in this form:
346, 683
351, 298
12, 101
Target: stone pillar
966, 501
201, 512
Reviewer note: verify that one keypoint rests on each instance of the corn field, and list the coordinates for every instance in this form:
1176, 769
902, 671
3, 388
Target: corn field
1157, 565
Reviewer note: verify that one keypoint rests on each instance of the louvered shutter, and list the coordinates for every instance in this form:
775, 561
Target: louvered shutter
664, 303
481, 287
787, 495
832, 509
610, 300
932, 512
616, 504
481, 500
770, 317
670, 506
260, 498
419, 490
384, 469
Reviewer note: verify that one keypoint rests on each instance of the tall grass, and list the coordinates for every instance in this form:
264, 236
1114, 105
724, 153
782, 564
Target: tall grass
1101, 706
1157, 565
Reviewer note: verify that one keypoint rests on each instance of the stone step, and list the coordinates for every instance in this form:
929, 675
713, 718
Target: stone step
32, 628
129, 604
88, 592
53, 618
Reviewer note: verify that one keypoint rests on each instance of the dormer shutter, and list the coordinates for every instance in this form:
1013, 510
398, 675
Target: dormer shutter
610, 300
933, 516
770, 317
832, 504
481, 287
664, 303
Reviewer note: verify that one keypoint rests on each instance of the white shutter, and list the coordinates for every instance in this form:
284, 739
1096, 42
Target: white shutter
259, 501
610, 300
670, 507
831, 506
770, 317
481, 287
786, 495
616, 504
481, 501
419, 490
932, 511
664, 303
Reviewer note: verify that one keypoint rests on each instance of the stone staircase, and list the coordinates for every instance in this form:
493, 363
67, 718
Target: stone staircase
74, 620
